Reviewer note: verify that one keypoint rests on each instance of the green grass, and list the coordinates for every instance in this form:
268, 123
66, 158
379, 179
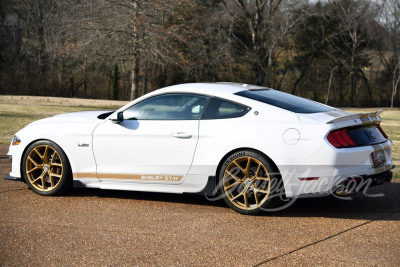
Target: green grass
18, 111
15, 117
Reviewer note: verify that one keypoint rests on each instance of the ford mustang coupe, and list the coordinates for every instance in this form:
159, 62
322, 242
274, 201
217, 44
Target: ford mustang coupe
247, 144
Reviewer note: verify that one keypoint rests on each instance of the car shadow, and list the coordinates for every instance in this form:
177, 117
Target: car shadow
191, 199
376, 202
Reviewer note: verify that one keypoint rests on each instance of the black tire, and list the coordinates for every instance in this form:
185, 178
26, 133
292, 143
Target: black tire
46, 169
248, 182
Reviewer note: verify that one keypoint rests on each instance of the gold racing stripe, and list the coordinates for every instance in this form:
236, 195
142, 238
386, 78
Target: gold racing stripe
141, 177
366, 121
77, 175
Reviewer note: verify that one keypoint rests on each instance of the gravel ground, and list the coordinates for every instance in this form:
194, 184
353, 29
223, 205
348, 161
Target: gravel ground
95, 227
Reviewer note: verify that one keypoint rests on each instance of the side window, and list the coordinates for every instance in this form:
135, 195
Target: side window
223, 109
168, 107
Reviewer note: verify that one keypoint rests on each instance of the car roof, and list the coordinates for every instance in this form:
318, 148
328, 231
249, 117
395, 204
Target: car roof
215, 89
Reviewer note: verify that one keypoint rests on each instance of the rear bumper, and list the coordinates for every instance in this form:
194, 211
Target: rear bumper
357, 184
379, 178
12, 178
327, 179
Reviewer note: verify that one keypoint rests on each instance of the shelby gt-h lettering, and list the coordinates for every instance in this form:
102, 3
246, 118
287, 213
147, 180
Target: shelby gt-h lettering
251, 145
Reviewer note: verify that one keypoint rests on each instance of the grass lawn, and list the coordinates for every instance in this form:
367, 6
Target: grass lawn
18, 111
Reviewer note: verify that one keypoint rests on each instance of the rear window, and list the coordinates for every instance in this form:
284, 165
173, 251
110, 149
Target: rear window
286, 101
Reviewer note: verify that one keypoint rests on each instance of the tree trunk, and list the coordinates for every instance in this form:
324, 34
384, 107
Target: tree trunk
42, 48
260, 74
135, 78
330, 84
135, 57
353, 82
71, 87
395, 84
302, 74
85, 74
145, 79
115, 82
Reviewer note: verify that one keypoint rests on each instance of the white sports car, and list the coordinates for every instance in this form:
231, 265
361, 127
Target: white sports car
251, 145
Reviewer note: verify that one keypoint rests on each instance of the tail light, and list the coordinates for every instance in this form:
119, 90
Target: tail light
381, 130
357, 136
340, 138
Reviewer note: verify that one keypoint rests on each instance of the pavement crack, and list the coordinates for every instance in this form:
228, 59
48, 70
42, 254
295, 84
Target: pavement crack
324, 239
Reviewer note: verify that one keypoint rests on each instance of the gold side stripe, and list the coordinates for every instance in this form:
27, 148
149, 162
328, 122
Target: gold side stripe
84, 175
141, 177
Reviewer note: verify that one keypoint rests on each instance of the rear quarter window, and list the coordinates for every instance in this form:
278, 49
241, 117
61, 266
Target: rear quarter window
223, 109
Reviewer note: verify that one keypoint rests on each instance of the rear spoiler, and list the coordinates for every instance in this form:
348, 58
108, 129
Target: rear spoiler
366, 118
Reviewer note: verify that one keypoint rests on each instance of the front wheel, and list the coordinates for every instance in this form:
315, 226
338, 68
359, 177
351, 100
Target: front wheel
248, 182
46, 169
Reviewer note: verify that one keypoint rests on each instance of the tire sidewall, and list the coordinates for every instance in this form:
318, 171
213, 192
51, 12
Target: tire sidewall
66, 179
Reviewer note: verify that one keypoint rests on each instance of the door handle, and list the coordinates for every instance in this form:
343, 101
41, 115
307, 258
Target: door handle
182, 135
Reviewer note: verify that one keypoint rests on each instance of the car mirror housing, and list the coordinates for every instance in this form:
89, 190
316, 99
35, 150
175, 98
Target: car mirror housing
117, 117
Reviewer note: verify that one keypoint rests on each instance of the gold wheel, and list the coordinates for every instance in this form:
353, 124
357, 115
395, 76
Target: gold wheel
44, 168
247, 183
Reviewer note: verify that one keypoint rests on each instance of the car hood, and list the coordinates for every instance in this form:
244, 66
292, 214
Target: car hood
82, 115
74, 117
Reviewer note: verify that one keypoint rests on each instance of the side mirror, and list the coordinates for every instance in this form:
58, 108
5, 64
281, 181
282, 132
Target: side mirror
117, 118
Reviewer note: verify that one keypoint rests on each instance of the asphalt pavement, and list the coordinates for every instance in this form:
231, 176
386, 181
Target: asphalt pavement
106, 228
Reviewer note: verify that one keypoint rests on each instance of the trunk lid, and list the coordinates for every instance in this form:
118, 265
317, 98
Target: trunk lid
343, 118
349, 130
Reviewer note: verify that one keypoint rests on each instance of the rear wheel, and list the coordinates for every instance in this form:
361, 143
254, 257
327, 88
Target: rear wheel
46, 169
247, 182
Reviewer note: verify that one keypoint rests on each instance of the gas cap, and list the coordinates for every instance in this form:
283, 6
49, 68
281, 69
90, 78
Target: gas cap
291, 136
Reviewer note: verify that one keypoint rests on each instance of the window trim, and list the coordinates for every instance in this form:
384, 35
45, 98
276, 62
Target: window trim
226, 100
171, 93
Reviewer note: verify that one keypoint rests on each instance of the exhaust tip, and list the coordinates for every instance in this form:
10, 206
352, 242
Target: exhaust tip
345, 192
341, 193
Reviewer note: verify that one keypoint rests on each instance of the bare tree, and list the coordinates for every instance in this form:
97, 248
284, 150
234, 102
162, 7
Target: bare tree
355, 16
268, 24
38, 51
391, 18
135, 32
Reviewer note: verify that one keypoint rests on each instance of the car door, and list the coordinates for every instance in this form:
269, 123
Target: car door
154, 143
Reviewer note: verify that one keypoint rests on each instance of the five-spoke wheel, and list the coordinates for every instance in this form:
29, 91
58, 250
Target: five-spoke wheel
245, 182
46, 169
